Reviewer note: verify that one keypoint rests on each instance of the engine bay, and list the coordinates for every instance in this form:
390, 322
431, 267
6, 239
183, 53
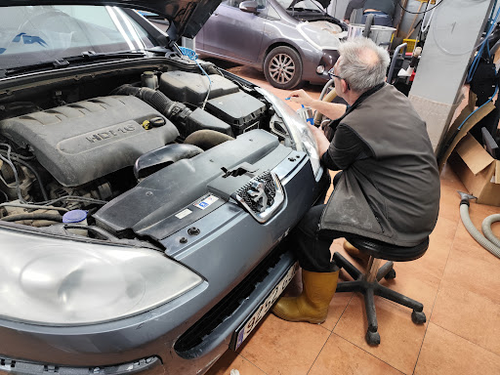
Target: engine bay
69, 147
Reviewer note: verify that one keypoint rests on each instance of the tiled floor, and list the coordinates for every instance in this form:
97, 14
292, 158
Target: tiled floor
457, 280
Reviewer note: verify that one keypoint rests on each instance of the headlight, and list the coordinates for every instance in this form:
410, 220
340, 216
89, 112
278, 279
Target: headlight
301, 136
326, 36
63, 282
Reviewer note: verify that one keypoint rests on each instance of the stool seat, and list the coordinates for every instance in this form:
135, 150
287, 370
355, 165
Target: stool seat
368, 283
382, 250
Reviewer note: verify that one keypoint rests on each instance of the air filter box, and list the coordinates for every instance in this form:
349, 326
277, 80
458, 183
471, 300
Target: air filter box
192, 88
240, 110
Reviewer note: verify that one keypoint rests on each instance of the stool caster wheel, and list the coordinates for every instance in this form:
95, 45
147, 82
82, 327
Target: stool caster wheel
390, 275
372, 338
418, 317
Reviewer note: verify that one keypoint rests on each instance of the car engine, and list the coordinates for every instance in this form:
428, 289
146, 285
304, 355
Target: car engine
77, 148
106, 133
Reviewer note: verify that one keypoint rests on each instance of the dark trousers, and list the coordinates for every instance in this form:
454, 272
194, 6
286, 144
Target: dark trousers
311, 245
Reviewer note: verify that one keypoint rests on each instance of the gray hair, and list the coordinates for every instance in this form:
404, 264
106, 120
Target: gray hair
363, 64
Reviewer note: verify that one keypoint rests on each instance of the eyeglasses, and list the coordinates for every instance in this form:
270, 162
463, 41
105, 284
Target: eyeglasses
331, 74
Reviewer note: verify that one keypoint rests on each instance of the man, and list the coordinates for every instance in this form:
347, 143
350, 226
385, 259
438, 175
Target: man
388, 187
385, 12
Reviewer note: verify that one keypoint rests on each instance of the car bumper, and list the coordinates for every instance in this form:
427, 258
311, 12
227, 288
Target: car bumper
327, 59
174, 338
196, 360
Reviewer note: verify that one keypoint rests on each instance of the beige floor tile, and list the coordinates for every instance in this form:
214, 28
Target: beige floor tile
472, 267
401, 339
450, 198
449, 206
341, 357
469, 315
432, 263
280, 347
233, 361
413, 281
445, 353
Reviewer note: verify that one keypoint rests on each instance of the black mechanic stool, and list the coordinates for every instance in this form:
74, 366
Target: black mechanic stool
368, 283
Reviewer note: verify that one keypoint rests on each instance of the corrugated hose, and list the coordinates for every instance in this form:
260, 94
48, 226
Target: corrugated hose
489, 241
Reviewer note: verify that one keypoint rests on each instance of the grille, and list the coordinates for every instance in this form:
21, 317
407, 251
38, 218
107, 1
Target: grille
249, 191
262, 196
201, 330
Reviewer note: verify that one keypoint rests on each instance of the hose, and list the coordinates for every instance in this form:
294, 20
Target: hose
486, 227
32, 217
206, 138
31, 206
490, 242
169, 108
325, 88
318, 116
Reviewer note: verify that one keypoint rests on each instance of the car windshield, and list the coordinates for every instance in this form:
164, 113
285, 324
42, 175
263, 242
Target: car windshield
33, 35
298, 5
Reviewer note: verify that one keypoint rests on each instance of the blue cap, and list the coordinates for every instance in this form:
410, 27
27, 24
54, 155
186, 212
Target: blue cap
74, 216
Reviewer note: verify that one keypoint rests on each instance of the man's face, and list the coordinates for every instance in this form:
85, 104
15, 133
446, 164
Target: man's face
337, 78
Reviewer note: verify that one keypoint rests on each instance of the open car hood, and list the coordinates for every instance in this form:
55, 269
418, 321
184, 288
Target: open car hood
186, 17
324, 3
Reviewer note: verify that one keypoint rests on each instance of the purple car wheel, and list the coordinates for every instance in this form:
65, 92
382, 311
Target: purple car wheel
283, 68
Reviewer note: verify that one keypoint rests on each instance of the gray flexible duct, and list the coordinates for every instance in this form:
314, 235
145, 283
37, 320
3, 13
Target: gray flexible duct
490, 242
486, 227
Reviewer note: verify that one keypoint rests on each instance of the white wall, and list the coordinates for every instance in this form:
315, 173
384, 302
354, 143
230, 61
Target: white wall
337, 9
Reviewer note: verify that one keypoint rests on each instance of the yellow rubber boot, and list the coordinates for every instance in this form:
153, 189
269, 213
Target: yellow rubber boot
312, 305
355, 253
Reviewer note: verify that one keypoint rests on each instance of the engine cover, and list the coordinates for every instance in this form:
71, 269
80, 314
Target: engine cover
105, 133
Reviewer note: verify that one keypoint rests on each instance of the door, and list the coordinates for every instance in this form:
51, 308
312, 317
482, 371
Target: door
234, 34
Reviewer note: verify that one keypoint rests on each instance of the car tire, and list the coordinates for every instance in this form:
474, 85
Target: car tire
283, 68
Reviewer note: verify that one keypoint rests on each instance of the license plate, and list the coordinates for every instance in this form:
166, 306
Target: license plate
242, 333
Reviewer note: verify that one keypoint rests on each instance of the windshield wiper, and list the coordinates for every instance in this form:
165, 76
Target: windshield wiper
66, 61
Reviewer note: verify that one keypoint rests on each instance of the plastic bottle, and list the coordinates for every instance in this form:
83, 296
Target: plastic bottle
307, 114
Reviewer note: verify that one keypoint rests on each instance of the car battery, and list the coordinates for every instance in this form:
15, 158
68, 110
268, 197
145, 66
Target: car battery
240, 110
193, 88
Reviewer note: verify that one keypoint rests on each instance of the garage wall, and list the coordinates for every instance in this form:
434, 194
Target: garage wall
409, 21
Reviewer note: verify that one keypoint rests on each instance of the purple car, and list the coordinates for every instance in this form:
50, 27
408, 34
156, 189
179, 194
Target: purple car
292, 41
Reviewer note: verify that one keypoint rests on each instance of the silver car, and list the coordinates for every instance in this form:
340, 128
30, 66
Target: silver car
290, 41
144, 194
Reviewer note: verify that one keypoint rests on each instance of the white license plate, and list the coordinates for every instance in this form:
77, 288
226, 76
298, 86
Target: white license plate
242, 333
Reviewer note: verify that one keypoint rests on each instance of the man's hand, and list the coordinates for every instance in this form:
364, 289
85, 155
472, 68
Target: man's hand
321, 140
302, 97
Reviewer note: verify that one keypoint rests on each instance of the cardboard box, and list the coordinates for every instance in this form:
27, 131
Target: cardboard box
478, 170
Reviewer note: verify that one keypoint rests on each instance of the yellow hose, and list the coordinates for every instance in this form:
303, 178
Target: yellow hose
318, 116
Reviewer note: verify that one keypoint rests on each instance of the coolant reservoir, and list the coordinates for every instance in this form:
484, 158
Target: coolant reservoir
149, 80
